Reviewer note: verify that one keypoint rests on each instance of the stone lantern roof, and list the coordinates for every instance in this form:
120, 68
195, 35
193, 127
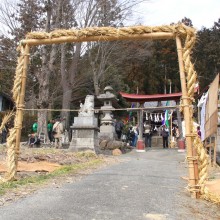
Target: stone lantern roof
108, 88
107, 95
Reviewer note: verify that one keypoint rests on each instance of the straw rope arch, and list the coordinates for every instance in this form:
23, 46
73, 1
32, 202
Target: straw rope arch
182, 34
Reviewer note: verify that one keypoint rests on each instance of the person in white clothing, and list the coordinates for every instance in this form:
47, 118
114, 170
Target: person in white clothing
135, 130
57, 133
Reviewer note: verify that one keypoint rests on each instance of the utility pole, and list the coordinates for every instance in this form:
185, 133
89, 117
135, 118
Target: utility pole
170, 85
165, 79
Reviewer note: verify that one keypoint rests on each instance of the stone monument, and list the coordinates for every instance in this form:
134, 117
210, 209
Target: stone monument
107, 129
85, 127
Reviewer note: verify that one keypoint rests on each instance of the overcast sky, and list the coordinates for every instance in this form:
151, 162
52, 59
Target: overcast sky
160, 12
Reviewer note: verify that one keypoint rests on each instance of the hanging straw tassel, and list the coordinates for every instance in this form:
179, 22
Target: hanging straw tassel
161, 116
146, 116
158, 119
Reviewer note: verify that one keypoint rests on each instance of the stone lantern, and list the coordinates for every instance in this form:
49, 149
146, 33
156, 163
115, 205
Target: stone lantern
107, 128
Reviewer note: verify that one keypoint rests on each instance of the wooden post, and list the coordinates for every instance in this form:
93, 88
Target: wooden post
140, 142
20, 107
210, 151
179, 122
171, 133
215, 149
187, 118
140, 136
195, 162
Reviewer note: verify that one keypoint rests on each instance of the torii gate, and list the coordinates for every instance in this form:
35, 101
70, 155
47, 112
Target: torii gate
148, 98
181, 33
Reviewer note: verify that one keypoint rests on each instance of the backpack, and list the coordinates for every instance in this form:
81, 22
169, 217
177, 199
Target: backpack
34, 127
165, 133
54, 131
147, 129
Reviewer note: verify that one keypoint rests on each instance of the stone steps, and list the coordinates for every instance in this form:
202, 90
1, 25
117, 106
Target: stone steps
157, 141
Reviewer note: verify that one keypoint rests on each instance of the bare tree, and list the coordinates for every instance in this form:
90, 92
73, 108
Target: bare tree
92, 13
112, 13
51, 14
49, 56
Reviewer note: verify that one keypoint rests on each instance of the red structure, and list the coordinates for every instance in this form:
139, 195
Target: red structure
148, 98
151, 98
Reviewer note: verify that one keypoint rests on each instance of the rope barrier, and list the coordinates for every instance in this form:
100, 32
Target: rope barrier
100, 110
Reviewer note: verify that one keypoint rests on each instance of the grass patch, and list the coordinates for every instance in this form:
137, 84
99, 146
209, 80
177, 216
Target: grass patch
40, 179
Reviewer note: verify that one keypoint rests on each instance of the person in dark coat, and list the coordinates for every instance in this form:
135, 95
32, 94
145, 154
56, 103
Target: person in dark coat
49, 130
198, 131
5, 131
34, 141
165, 135
118, 128
130, 136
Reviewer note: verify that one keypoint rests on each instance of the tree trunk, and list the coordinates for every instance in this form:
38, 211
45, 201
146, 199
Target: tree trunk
43, 103
66, 87
96, 83
48, 65
68, 80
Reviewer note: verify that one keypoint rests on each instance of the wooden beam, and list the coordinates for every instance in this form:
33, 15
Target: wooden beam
215, 150
210, 145
152, 108
70, 39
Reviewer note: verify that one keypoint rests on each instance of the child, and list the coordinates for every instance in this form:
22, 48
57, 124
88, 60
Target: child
33, 140
198, 131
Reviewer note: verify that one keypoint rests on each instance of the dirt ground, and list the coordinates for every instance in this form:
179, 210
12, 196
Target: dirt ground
40, 161
45, 159
214, 180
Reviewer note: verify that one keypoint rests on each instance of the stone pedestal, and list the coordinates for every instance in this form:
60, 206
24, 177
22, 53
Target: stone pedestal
107, 132
84, 133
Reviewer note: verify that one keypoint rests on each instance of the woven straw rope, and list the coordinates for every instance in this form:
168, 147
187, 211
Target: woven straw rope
12, 152
202, 155
105, 31
181, 30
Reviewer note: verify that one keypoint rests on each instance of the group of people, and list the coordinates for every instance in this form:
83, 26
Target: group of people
55, 129
165, 133
148, 131
130, 135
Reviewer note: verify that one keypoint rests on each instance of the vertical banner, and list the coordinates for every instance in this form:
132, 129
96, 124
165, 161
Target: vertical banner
212, 108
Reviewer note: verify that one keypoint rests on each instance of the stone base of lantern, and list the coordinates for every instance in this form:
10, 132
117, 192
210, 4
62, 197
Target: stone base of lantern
107, 132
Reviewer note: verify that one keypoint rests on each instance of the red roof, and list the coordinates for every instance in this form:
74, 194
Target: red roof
149, 98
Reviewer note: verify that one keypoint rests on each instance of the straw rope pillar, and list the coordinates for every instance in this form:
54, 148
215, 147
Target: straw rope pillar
13, 141
187, 118
20, 107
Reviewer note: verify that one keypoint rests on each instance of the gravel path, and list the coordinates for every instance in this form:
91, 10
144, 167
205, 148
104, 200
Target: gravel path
142, 186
